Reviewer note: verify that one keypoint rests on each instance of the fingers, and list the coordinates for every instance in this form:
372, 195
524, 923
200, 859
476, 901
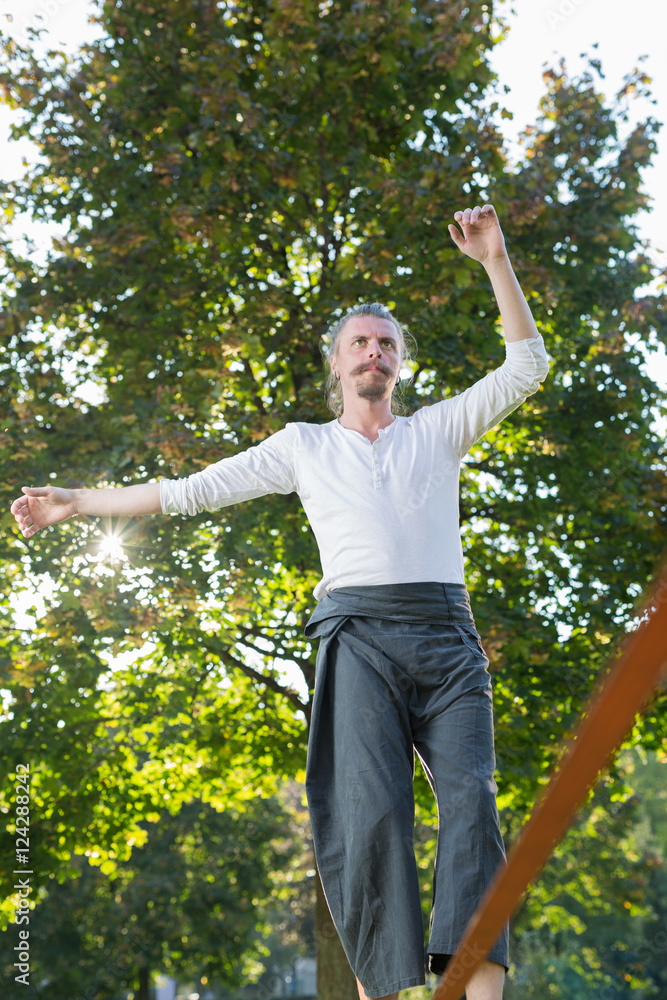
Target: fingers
27, 529
455, 235
23, 518
22, 503
29, 491
21, 511
18, 505
469, 216
36, 491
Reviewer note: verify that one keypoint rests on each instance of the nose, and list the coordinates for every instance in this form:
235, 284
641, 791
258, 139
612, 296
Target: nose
375, 351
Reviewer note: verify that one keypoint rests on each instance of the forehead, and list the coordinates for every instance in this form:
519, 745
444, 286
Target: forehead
368, 326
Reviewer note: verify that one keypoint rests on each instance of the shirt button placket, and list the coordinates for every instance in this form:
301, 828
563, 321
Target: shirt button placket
377, 477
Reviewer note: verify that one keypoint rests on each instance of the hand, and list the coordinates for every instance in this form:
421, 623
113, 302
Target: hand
41, 506
482, 236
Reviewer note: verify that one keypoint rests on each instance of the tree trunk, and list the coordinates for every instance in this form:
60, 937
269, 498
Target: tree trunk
144, 983
335, 980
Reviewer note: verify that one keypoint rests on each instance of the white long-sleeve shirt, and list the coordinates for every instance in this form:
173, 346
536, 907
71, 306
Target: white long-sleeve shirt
385, 512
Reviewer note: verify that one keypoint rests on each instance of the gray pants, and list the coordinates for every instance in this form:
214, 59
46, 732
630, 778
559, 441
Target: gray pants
400, 669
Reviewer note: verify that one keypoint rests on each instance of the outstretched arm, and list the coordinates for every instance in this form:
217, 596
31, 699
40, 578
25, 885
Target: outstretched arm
42, 506
265, 468
483, 240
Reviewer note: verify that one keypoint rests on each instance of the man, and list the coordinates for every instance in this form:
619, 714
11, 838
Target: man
400, 667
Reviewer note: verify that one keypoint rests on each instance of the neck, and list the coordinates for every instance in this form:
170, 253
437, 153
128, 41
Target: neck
366, 416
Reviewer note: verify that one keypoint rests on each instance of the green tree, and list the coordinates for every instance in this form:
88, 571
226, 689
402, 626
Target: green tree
230, 177
188, 902
593, 924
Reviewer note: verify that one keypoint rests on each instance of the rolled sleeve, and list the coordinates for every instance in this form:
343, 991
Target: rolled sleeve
465, 418
265, 468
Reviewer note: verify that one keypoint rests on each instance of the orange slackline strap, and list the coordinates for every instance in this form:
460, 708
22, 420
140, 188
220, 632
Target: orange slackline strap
609, 718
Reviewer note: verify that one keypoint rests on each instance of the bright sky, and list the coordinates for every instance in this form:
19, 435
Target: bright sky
544, 30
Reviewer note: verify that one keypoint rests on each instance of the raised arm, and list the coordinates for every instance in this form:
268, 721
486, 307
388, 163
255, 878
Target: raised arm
41, 506
466, 417
483, 241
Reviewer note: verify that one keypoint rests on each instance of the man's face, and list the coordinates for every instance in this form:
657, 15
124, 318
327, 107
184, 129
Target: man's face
368, 357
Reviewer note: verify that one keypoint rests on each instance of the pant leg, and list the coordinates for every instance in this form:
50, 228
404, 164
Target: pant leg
360, 794
454, 739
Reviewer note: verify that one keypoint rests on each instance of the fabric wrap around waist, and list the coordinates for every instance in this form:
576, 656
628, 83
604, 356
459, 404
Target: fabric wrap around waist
435, 603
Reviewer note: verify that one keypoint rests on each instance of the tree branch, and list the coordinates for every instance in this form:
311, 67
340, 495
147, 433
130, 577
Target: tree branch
228, 658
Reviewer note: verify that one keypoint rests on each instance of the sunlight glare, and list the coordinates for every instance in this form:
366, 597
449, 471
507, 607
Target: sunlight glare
111, 549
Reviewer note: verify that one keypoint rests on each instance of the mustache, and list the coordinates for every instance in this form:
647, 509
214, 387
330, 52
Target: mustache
372, 364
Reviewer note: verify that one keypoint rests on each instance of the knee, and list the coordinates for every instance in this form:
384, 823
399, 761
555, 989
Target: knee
474, 797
